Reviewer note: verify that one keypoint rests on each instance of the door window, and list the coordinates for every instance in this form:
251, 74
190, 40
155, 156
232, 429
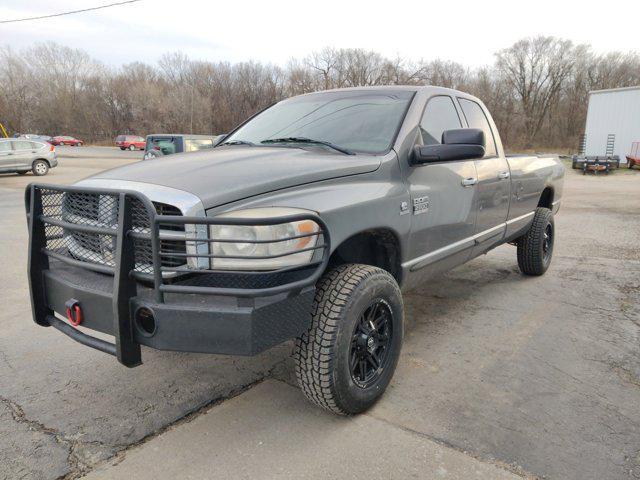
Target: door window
477, 119
439, 115
22, 145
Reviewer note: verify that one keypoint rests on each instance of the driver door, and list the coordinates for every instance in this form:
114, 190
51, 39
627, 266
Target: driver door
443, 197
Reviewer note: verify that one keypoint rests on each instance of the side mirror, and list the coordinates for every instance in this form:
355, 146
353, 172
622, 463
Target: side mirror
459, 144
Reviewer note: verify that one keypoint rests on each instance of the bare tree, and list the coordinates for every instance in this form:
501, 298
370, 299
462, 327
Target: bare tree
536, 69
537, 90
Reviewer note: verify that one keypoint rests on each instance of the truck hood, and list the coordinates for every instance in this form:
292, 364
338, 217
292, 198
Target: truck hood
227, 174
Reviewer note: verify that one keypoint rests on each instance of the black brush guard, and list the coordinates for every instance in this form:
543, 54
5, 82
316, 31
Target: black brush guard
267, 304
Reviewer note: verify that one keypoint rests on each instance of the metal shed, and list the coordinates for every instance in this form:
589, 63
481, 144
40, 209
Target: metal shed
613, 122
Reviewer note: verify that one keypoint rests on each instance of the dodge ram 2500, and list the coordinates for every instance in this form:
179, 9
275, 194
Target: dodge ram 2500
303, 223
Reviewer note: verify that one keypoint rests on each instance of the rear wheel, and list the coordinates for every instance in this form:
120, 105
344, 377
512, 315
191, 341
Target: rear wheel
535, 248
132, 147
346, 359
40, 167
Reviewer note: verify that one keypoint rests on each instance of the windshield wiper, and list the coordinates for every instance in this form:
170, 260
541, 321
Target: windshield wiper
308, 140
237, 142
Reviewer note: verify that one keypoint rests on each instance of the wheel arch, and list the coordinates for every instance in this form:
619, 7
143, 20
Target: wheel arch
546, 198
41, 158
379, 247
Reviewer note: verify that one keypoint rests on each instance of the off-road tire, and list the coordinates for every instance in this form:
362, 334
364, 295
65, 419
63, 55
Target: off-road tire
322, 354
40, 168
533, 257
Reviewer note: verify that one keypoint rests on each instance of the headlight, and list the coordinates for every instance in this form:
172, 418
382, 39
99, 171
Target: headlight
282, 242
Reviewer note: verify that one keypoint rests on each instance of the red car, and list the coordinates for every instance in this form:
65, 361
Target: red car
130, 142
66, 140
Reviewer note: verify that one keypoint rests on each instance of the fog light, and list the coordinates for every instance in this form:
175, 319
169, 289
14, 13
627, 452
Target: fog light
145, 320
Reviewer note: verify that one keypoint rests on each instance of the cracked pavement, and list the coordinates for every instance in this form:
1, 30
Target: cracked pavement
539, 374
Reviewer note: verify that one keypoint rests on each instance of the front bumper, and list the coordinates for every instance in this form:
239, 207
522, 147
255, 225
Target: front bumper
200, 310
183, 322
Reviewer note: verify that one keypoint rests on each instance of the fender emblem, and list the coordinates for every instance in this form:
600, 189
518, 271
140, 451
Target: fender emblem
420, 205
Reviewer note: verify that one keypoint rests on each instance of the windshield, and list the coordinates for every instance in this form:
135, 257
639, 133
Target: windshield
360, 121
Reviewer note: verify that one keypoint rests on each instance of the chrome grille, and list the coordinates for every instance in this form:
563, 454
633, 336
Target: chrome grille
101, 210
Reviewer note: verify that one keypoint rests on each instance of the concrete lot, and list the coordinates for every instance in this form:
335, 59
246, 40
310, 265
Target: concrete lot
532, 376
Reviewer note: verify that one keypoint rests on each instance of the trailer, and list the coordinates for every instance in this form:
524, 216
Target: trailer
595, 163
613, 124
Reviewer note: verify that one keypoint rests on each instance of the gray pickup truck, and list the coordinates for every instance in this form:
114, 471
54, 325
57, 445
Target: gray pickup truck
303, 223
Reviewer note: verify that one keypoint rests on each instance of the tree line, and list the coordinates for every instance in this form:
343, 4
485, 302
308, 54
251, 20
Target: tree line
537, 89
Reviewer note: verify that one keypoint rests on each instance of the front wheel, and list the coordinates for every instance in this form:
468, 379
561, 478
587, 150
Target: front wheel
535, 248
346, 359
132, 147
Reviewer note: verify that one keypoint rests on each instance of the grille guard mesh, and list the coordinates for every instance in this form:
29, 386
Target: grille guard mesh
80, 227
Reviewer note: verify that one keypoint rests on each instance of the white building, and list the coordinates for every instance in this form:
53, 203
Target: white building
613, 121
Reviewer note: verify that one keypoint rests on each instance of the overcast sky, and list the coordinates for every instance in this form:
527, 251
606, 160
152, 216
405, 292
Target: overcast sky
467, 31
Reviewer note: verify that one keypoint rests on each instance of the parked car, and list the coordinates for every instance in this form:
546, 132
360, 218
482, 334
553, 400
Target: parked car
66, 140
22, 156
160, 144
130, 142
304, 223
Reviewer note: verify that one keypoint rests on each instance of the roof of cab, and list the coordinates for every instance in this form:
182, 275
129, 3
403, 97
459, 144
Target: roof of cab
394, 88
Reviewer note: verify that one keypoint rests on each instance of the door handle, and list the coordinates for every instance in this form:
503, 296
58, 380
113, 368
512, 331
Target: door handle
503, 175
468, 182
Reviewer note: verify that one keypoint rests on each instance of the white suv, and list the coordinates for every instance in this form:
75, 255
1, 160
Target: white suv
23, 155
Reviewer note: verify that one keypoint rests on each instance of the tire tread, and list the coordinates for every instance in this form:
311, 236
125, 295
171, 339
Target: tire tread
530, 254
316, 349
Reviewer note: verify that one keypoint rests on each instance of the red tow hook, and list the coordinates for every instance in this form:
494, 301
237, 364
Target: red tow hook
74, 313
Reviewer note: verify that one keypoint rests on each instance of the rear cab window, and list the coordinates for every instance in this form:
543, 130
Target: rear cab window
476, 118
